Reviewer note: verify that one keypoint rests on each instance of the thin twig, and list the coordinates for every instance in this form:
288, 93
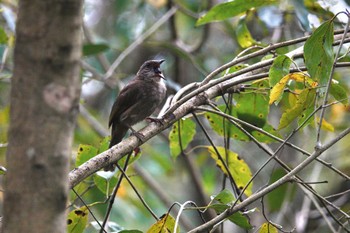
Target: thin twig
286, 178
326, 164
325, 100
88, 208
114, 193
139, 40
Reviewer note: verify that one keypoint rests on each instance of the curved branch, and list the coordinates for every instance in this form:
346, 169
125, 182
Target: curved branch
288, 177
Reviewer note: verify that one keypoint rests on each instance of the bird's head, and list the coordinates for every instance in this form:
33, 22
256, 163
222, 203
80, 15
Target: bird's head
151, 69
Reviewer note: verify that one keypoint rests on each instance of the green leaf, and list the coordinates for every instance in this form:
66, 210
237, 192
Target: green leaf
339, 93
253, 107
305, 99
104, 144
85, 152
268, 228
230, 9
187, 130
276, 198
264, 138
304, 115
278, 89
3, 36
318, 53
93, 49
105, 185
218, 124
243, 35
237, 68
237, 167
240, 220
77, 220
165, 224
279, 69
225, 197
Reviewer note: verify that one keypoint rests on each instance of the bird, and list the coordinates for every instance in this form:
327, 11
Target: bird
136, 102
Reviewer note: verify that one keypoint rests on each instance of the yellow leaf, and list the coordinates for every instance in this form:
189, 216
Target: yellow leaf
165, 224
237, 167
157, 3
305, 100
77, 220
277, 90
268, 228
325, 125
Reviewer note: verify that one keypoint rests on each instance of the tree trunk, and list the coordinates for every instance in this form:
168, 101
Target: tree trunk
44, 104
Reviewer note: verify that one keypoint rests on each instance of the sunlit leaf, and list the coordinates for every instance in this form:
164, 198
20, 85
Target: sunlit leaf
77, 220
93, 49
181, 134
278, 89
318, 53
244, 38
3, 36
339, 93
157, 3
325, 125
314, 7
237, 167
279, 69
165, 224
305, 100
230, 9
268, 228
85, 152
4, 123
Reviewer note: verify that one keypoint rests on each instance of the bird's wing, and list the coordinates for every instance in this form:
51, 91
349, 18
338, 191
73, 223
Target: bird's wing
128, 96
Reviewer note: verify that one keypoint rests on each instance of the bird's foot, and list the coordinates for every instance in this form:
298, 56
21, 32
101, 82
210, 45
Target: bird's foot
139, 136
156, 120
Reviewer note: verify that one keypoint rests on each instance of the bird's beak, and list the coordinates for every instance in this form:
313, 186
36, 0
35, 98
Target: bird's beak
162, 76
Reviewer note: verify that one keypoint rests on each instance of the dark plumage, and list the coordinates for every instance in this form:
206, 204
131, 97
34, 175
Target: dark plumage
137, 101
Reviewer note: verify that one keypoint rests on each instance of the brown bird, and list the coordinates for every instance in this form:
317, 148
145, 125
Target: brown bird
137, 101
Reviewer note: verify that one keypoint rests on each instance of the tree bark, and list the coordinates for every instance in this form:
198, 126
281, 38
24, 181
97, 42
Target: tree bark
44, 103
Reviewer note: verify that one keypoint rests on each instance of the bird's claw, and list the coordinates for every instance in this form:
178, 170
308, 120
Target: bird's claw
139, 136
158, 121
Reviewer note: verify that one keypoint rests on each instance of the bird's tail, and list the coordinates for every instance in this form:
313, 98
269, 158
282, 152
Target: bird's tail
118, 132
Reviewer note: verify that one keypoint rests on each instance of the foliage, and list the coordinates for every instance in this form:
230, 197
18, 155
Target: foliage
265, 85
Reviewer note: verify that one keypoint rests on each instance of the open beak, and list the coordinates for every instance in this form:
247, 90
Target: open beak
160, 74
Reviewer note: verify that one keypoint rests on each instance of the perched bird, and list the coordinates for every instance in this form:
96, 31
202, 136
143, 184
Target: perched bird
137, 101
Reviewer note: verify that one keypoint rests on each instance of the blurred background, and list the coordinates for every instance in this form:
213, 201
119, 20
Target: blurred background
119, 35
